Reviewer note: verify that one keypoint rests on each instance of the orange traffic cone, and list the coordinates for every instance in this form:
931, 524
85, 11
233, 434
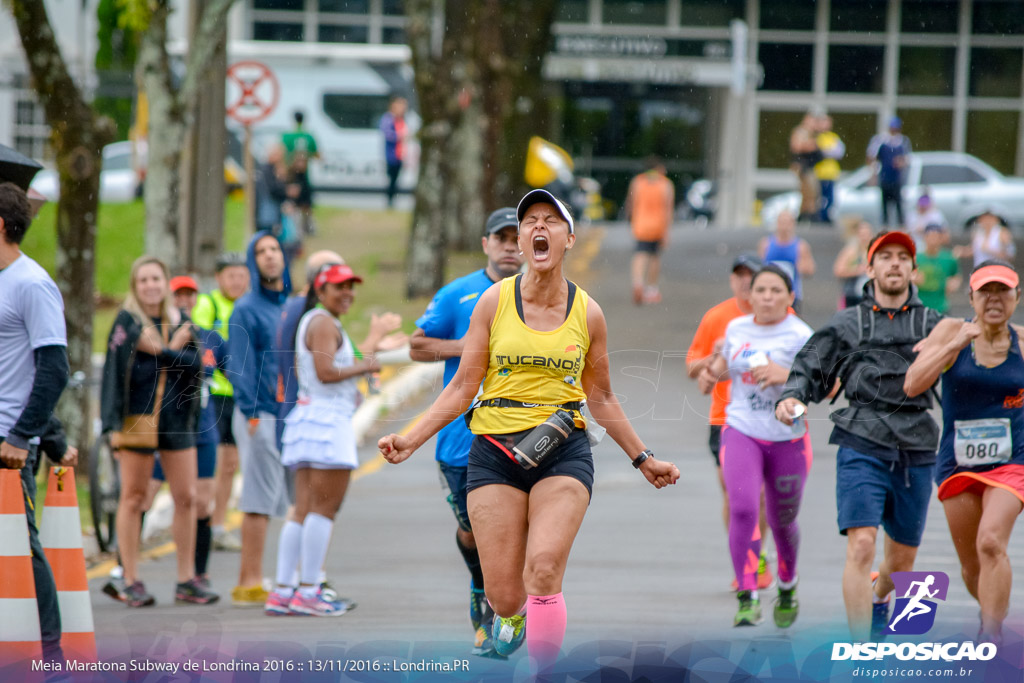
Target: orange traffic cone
19, 615
61, 538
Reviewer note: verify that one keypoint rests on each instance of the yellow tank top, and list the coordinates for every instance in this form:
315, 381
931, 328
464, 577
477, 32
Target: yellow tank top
530, 366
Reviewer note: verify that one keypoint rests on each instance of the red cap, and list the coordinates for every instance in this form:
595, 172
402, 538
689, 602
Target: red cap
337, 274
994, 273
893, 237
183, 282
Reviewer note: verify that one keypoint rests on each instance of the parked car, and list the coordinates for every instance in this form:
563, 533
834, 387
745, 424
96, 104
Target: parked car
961, 187
119, 181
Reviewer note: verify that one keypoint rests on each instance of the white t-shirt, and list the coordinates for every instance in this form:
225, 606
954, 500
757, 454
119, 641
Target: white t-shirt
751, 409
31, 316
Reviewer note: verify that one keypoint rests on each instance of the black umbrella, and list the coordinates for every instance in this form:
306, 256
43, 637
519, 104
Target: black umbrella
17, 168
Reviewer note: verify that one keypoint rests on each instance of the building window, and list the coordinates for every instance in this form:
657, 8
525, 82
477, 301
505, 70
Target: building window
573, 11
855, 129
392, 8
273, 30
345, 6
787, 66
929, 16
927, 71
391, 35
792, 15
31, 135
997, 17
334, 33
280, 5
647, 12
992, 137
704, 13
774, 129
855, 68
858, 15
928, 129
995, 72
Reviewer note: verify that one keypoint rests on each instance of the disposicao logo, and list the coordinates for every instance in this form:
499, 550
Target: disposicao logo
914, 614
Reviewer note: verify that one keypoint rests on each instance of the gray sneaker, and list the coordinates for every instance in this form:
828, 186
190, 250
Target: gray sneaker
226, 541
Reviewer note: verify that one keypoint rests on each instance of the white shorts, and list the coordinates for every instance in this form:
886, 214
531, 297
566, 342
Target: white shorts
317, 436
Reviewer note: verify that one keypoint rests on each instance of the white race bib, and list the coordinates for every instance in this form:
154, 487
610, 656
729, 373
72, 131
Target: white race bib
982, 442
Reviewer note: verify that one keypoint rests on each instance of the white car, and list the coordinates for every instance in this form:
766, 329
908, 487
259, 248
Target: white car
961, 187
118, 180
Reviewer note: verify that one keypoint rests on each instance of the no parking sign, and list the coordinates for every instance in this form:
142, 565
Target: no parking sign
252, 92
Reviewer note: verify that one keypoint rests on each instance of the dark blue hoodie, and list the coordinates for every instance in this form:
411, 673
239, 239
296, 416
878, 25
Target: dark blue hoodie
251, 363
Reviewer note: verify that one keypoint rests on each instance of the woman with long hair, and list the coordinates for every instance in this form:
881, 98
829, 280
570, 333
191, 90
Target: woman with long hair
150, 404
539, 345
759, 452
980, 467
319, 442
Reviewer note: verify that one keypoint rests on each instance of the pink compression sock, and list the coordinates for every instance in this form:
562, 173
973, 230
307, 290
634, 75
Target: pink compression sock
545, 629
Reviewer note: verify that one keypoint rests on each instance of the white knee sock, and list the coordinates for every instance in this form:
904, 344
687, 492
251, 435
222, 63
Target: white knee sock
316, 535
288, 552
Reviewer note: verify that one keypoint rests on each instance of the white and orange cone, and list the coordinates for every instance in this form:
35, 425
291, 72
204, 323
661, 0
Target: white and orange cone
19, 614
61, 538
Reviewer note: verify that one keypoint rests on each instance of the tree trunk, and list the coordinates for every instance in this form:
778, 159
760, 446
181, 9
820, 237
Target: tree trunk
513, 39
425, 257
171, 107
78, 137
165, 138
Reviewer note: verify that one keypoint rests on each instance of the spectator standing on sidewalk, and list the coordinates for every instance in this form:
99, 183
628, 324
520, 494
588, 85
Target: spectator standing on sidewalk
396, 130
889, 153
252, 369
33, 372
827, 170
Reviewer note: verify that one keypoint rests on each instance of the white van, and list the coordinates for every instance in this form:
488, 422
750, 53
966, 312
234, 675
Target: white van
342, 90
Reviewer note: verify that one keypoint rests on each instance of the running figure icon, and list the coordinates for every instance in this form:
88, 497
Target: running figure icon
915, 606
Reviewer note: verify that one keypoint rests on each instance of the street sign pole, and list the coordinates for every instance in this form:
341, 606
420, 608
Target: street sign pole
250, 185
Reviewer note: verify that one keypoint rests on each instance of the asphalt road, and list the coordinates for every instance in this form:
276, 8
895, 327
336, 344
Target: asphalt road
647, 585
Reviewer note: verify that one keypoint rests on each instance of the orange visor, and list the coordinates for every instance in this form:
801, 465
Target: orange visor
994, 273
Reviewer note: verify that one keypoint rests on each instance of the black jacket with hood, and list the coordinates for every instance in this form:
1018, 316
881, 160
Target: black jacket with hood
869, 349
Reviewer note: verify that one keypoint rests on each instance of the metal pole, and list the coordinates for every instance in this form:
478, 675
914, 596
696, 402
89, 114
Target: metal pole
250, 184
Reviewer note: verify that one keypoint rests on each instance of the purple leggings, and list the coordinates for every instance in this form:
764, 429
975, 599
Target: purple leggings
780, 467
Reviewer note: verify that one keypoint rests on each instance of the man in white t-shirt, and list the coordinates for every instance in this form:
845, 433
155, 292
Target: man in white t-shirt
33, 372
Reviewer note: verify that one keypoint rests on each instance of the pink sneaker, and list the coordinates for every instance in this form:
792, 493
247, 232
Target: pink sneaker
315, 606
277, 604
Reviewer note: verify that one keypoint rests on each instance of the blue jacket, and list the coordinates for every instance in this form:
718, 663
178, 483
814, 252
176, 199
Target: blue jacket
387, 127
251, 363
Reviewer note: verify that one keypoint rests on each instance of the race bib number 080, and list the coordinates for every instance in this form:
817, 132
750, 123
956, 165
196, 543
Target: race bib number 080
982, 442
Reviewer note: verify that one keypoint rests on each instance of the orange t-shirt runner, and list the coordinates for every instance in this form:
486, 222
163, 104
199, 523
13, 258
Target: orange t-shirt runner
711, 329
651, 199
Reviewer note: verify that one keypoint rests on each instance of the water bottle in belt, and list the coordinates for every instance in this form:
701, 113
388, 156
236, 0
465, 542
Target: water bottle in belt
544, 439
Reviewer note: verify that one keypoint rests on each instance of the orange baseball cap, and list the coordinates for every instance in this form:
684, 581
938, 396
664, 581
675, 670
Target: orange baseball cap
183, 282
892, 237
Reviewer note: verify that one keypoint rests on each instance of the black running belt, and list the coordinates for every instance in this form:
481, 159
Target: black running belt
510, 403
519, 298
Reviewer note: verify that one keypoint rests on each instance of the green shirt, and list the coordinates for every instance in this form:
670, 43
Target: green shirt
212, 312
935, 272
298, 140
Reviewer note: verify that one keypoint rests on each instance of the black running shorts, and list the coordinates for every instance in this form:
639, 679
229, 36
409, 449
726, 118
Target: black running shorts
488, 464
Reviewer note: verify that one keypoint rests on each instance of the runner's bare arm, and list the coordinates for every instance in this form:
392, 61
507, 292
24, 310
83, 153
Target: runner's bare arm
458, 395
426, 349
939, 350
605, 407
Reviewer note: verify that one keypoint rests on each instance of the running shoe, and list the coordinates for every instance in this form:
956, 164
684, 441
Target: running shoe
749, 613
116, 588
483, 645
315, 606
327, 590
786, 608
477, 605
638, 294
136, 595
249, 596
652, 295
277, 604
194, 592
226, 541
508, 633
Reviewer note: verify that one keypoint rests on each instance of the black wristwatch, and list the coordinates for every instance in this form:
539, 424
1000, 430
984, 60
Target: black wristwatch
640, 459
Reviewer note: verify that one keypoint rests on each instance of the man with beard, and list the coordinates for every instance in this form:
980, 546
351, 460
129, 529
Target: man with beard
439, 336
886, 440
